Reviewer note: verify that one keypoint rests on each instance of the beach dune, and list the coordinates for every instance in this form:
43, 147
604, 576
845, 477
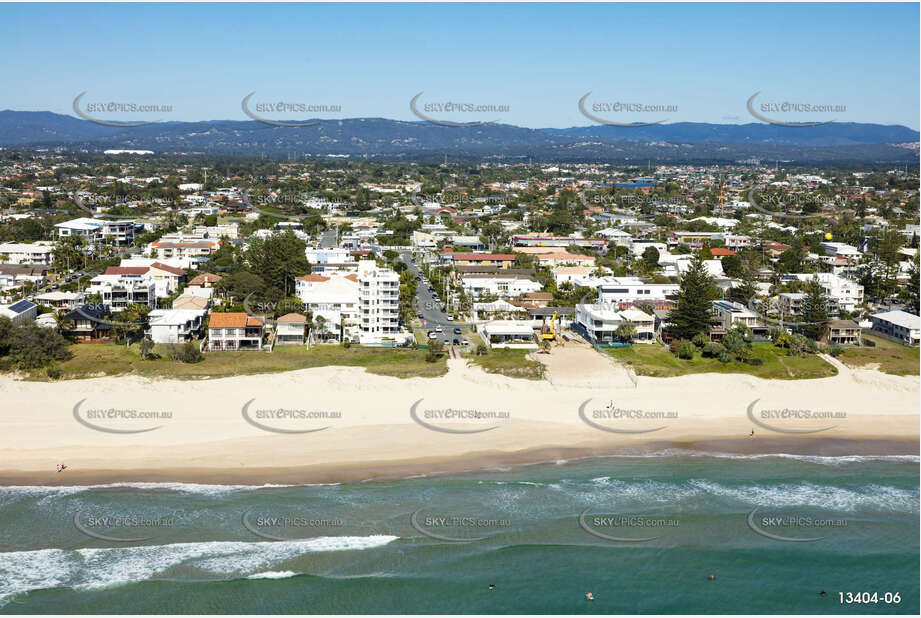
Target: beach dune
343, 424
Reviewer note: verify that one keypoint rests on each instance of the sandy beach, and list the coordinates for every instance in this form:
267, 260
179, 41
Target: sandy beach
341, 424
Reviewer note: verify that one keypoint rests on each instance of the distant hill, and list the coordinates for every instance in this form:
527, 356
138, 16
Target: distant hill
381, 138
833, 134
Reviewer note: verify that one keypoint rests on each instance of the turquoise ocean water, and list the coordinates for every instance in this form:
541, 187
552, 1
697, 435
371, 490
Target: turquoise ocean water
642, 534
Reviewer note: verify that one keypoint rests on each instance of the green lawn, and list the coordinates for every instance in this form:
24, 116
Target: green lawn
657, 362
511, 363
888, 356
95, 360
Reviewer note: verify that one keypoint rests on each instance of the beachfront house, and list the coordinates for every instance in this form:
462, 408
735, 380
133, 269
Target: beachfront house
509, 334
88, 323
235, 331
843, 332
291, 329
726, 314
175, 325
599, 323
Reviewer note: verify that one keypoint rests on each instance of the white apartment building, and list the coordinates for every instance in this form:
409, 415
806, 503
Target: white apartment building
498, 284
334, 297
175, 325
185, 248
120, 291
41, 252
619, 289
599, 322
332, 255
846, 294
379, 303
230, 230
840, 249
96, 230
901, 325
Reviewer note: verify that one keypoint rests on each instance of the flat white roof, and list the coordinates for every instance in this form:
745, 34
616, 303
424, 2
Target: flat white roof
508, 327
900, 318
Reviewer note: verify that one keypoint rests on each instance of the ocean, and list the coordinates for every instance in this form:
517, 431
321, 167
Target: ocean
642, 534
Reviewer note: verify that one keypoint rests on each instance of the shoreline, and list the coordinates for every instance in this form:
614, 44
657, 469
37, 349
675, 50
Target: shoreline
473, 464
387, 428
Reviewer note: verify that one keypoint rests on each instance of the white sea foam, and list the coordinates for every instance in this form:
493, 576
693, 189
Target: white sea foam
193, 488
831, 460
273, 575
100, 568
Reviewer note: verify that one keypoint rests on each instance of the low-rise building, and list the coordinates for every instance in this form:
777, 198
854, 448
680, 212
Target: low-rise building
900, 325
41, 252
509, 334
845, 293
291, 329
175, 325
88, 323
332, 296
235, 331
121, 291
60, 300
843, 332
499, 284
727, 314
599, 322
613, 290
19, 312
502, 260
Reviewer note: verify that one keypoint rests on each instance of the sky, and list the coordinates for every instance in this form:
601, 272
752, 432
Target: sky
701, 62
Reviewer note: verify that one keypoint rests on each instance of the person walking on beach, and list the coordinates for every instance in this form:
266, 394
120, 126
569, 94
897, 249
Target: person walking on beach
61, 467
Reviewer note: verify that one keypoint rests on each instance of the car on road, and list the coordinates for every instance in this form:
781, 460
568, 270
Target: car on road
438, 329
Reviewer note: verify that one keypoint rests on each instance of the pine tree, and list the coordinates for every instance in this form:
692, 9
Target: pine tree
815, 311
692, 313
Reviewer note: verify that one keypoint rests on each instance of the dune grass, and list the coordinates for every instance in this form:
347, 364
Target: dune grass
113, 359
655, 361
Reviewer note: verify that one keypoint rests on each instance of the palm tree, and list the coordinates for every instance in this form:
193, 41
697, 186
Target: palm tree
626, 332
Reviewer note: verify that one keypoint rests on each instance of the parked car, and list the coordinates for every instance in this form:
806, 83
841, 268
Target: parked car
456, 341
457, 331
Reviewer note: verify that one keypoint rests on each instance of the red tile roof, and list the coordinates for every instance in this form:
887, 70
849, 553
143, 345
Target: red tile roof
719, 251
313, 277
127, 270
169, 269
228, 320
205, 278
295, 318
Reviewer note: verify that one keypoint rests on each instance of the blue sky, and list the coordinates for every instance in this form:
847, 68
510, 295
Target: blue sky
538, 59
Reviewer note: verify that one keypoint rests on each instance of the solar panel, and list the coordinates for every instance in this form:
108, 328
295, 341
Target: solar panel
21, 306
